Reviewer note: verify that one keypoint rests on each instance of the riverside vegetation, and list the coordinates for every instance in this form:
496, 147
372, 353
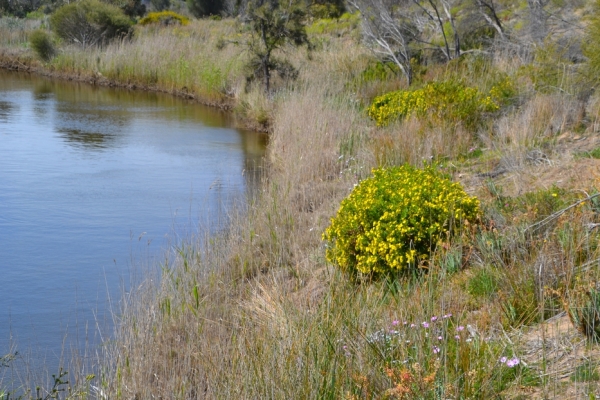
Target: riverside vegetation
499, 300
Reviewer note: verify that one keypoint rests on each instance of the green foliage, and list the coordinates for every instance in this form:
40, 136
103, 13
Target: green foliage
131, 8
338, 26
584, 311
164, 18
595, 153
536, 205
586, 372
379, 71
41, 43
272, 25
551, 71
327, 9
520, 306
205, 8
448, 101
484, 283
591, 46
160, 5
392, 221
90, 23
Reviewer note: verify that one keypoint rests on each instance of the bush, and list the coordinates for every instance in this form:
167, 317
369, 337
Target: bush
393, 220
42, 44
205, 8
164, 18
89, 23
447, 101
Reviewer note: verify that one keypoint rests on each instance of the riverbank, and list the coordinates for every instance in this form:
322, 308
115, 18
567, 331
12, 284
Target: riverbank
184, 62
22, 61
258, 313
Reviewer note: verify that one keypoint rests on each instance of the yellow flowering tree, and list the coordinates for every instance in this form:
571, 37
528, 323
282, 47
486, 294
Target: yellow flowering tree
393, 220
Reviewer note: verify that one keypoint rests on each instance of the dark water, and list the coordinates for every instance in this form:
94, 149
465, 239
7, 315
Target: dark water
94, 181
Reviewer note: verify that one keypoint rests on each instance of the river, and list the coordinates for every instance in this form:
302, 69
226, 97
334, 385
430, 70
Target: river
94, 183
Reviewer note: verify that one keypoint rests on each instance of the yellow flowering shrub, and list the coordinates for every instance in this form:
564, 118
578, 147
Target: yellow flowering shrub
164, 18
393, 220
448, 101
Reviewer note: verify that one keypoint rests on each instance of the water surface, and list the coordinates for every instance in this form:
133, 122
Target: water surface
93, 181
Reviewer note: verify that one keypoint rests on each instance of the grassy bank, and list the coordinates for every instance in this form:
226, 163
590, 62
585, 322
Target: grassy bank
258, 312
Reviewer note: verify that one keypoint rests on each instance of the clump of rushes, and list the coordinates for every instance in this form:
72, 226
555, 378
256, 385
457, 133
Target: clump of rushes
584, 311
164, 18
41, 43
392, 221
448, 101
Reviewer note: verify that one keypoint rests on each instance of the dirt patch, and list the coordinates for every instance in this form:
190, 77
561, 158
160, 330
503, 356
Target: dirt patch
562, 357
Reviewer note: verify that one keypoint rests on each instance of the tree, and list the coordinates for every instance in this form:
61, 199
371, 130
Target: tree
390, 35
205, 8
89, 23
398, 29
273, 25
160, 5
538, 19
432, 11
488, 10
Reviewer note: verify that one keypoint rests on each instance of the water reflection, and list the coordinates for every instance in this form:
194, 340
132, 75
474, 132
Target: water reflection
5, 110
88, 140
84, 172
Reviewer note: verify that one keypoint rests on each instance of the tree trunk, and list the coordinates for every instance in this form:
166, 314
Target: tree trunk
537, 20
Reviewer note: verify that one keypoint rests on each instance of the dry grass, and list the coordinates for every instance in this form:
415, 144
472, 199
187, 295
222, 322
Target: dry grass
257, 312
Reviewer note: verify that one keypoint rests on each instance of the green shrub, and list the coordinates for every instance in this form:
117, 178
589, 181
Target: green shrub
42, 44
164, 18
591, 46
335, 26
393, 220
448, 101
89, 23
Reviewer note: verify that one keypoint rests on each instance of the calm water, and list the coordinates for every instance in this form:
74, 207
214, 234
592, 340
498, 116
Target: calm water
94, 181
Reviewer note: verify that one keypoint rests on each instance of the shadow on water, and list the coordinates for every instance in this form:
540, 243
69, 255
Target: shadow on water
5, 110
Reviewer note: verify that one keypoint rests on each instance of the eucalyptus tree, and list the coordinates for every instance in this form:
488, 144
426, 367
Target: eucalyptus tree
272, 25
388, 32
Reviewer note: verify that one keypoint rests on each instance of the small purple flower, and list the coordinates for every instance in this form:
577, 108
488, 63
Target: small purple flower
503, 360
434, 318
457, 337
447, 316
412, 325
512, 362
436, 349
425, 324
405, 323
460, 328
345, 347
395, 322
440, 338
